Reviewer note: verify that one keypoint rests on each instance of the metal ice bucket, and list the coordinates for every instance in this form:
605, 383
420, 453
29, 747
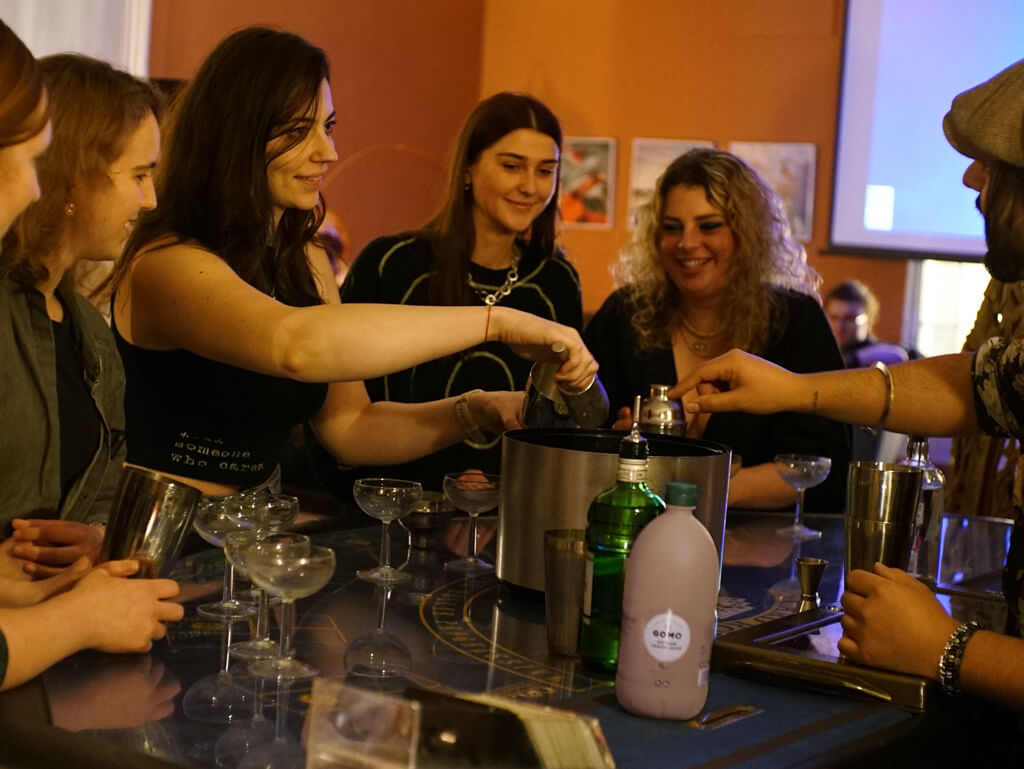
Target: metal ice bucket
150, 521
549, 477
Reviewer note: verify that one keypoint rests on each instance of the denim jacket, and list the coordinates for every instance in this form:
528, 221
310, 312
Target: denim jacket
29, 425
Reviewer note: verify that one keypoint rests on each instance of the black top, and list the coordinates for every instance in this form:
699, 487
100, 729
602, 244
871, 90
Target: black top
203, 419
800, 340
80, 423
396, 270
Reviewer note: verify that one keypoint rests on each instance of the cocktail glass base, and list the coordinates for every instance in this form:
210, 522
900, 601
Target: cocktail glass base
226, 611
383, 575
256, 649
468, 565
286, 669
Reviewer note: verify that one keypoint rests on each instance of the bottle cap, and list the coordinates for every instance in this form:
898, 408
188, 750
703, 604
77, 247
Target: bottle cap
681, 494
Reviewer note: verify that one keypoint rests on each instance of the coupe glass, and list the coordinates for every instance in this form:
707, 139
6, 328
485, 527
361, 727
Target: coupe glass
473, 492
236, 544
218, 698
214, 519
378, 654
802, 472
386, 499
288, 576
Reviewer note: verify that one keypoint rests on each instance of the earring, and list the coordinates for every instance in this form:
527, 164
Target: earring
468, 187
69, 209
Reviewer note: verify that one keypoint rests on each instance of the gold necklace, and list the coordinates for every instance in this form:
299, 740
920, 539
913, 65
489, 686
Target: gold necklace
700, 334
699, 347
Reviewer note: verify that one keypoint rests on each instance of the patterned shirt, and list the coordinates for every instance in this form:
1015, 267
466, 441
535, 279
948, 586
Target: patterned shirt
998, 380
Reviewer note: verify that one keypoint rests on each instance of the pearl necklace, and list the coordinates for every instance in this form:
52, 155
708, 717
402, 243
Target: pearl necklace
493, 297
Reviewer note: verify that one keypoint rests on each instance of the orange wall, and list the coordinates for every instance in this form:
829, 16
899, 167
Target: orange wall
724, 70
405, 74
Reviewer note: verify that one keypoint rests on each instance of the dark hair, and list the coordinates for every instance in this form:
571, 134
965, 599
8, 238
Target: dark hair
257, 85
23, 104
95, 111
451, 230
1004, 221
856, 292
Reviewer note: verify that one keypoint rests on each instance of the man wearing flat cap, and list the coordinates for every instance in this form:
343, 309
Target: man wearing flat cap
891, 619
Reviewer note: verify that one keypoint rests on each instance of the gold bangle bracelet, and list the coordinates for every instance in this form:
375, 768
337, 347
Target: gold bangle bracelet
889, 393
465, 418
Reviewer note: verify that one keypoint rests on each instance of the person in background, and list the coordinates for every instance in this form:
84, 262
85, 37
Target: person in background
492, 243
711, 266
226, 313
42, 621
892, 620
852, 309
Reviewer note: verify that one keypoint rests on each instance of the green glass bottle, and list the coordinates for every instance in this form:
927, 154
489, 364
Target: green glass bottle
614, 520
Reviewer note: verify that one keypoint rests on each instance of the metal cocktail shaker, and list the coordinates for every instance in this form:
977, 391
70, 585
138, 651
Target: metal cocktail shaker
150, 521
881, 506
548, 405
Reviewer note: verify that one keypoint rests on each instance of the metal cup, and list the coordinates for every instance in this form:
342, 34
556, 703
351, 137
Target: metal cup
546, 404
564, 562
881, 505
150, 521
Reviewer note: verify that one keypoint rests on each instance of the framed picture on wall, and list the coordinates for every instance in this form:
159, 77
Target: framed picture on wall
650, 158
587, 195
789, 168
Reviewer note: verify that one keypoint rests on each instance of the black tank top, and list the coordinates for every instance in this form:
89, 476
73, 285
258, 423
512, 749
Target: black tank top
203, 419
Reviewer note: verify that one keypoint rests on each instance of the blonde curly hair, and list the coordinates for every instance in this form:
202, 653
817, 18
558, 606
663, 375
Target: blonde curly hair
766, 257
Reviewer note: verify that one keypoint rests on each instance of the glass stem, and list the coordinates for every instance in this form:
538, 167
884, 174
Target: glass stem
228, 594
383, 605
385, 545
472, 537
799, 507
263, 617
287, 626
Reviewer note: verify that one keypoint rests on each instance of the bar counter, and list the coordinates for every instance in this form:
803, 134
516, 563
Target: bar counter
176, 707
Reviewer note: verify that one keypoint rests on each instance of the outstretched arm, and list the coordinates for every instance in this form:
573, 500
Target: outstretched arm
931, 396
185, 297
893, 621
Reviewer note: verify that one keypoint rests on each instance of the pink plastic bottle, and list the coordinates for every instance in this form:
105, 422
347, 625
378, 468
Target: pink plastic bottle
669, 613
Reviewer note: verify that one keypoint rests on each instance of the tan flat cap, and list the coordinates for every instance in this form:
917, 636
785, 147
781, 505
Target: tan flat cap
987, 121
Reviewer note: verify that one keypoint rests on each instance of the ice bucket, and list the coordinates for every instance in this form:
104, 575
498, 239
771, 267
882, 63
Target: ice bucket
549, 477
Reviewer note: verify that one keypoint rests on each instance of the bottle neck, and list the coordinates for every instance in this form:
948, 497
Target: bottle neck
632, 470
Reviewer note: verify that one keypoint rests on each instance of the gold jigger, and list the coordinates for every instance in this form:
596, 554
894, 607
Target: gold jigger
809, 572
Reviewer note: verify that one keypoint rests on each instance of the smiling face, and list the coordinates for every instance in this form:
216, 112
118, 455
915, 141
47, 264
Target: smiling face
18, 178
296, 174
695, 245
106, 215
513, 180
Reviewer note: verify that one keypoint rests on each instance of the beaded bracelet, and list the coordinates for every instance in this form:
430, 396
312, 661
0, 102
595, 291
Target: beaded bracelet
953, 656
464, 417
889, 392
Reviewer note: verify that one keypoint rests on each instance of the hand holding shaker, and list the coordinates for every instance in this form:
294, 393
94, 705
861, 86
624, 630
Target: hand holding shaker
546, 404
881, 505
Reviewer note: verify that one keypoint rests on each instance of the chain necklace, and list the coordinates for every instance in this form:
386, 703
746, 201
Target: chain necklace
700, 334
493, 297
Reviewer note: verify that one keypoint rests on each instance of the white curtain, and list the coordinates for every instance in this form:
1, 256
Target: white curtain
116, 31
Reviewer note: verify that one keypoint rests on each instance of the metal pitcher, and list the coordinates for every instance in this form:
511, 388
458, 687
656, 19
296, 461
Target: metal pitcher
150, 520
548, 405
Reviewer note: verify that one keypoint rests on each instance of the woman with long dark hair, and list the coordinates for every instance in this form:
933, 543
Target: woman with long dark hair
224, 307
491, 243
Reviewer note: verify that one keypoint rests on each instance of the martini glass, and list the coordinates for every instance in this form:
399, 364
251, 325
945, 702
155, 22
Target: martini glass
378, 654
385, 499
288, 576
802, 472
214, 519
236, 544
473, 492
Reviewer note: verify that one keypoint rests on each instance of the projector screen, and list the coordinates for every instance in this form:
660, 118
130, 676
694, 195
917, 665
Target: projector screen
897, 187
